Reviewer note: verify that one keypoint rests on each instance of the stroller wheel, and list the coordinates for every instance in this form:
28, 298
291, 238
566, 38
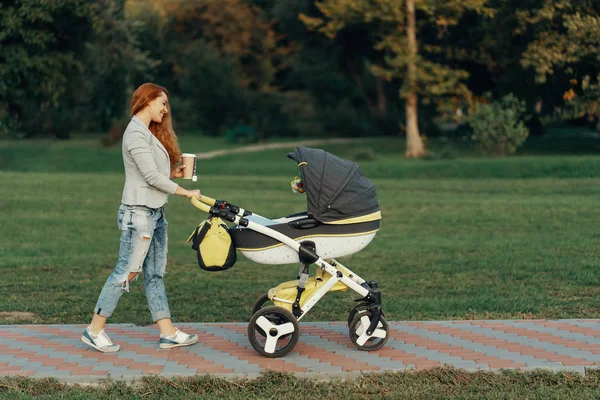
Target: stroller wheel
262, 302
359, 309
358, 332
273, 331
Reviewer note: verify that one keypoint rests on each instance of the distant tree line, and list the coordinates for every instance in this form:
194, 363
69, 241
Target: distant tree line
295, 68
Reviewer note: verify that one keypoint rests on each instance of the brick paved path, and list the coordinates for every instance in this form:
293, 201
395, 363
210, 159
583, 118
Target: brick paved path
324, 349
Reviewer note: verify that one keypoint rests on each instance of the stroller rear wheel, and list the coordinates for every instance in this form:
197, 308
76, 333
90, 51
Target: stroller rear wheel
273, 331
358, 332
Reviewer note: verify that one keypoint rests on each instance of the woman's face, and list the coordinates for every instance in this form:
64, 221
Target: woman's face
158, 108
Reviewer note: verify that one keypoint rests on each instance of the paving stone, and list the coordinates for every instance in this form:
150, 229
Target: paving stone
325, 350
51, 374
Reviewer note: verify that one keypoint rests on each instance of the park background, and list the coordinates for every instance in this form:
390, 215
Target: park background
476, 120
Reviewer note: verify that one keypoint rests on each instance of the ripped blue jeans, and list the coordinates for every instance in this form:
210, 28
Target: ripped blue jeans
143, 249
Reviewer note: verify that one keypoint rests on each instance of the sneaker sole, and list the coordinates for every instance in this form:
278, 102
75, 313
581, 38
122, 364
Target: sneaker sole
87, 341
172, 345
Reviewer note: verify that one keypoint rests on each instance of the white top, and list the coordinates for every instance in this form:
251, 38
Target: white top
147, 167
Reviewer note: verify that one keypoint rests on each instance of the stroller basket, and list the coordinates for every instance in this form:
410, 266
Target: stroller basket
284, 295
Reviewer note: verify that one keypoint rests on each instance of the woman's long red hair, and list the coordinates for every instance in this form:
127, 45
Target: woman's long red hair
164, 131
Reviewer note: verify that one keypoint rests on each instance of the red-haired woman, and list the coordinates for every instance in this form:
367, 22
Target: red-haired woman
150, 154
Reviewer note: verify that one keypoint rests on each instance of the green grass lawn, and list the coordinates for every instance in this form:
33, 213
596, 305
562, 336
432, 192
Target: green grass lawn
465, 238
83, 153
462, 236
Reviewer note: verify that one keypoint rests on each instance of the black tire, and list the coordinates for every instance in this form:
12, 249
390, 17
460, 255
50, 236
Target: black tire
356, 330
273, 343
262, 301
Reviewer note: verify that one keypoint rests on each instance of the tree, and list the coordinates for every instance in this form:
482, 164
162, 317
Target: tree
329, 82
40, 49
237, 30
114, 63
396, 26
566, 39
218, 57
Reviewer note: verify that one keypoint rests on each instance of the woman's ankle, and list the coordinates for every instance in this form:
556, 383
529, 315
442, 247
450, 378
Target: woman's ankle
166, 327
97, 325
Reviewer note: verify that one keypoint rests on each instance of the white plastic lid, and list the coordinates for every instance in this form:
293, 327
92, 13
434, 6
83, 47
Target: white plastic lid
188, 155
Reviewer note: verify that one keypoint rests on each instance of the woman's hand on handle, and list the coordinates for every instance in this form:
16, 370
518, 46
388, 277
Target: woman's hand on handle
193, 193
187, 193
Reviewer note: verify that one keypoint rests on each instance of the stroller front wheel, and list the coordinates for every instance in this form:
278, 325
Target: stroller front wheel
273, 331
359, 309
358, 331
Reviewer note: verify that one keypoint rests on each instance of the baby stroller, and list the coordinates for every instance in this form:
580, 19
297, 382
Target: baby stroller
342, 218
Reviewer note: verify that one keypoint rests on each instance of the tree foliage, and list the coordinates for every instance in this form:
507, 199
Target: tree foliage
308, 67
416, 64
566, 42
114, 61
41, 43
238, 31
566, 33
217, 59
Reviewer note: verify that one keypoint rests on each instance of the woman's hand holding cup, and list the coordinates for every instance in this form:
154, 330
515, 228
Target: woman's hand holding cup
177, 172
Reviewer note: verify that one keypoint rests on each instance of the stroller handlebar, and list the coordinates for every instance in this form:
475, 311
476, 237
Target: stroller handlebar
203, 202
207, 200
221, 208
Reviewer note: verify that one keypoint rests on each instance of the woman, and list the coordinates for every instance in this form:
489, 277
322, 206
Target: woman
150, 154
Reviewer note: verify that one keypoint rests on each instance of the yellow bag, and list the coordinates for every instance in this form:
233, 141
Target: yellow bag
212, 241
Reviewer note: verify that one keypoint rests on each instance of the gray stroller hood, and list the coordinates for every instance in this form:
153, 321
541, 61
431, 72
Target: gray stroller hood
335, 188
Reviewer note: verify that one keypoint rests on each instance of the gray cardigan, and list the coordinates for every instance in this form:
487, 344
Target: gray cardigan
147, 167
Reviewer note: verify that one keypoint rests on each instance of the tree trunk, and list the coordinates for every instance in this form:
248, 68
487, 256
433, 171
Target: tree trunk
378, 110
382, 106
414, 143
361, 88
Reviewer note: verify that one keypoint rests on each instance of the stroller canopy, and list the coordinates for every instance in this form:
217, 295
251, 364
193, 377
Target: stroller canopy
336, 189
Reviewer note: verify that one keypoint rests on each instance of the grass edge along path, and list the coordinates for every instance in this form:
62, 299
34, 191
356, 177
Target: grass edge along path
436, 383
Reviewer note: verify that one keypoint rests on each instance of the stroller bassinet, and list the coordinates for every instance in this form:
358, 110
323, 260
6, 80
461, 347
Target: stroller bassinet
342, 218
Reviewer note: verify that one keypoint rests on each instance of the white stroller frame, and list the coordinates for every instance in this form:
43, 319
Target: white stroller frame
367, 323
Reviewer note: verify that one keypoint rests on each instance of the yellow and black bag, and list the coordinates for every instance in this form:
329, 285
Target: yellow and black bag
212, 241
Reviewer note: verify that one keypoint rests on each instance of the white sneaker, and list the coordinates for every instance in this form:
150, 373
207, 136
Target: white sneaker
177, 340
100, 342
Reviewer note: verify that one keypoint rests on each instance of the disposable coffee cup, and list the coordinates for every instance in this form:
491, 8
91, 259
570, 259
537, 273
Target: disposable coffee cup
189, 171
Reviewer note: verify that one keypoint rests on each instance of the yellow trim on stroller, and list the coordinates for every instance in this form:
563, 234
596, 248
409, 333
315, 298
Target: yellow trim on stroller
365, 218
